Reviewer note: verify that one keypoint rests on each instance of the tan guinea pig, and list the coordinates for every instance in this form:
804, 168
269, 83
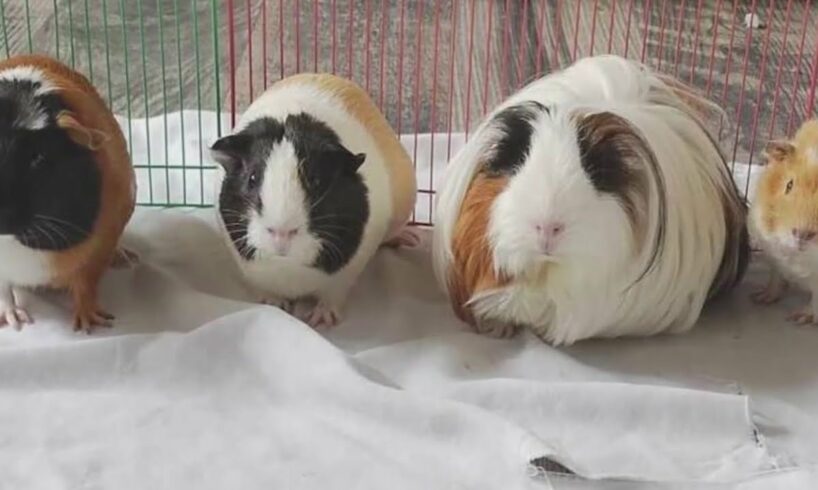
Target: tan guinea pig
784, 218
67, 187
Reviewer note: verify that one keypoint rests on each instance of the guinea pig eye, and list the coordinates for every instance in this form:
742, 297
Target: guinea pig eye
252, 181
37, 161
789, 187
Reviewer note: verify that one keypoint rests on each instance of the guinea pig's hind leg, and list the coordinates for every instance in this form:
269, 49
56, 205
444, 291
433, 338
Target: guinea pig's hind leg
11, 313
87, 314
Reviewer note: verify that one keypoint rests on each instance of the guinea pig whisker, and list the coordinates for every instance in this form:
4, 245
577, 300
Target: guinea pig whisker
62, 222
318, 219
333, 249
48, 226
42, 231
232, 212
320, 199
59, 233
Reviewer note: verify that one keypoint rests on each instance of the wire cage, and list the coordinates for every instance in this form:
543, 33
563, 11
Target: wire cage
178, 72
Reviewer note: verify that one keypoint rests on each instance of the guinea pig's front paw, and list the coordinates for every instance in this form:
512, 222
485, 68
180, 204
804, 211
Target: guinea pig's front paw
766, 296
87, 320
407, 237
15, 317
495, 328
802, 317
323, 316
287, 305
124, 259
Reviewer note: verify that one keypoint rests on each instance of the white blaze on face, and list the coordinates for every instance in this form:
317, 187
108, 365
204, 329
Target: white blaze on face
551, 212
280, 229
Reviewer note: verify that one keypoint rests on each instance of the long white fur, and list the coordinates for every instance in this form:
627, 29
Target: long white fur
284, 202
590, 287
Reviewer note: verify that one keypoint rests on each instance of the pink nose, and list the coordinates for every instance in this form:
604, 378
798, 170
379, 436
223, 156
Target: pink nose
551, 229
804, 235
549, 234
282, 234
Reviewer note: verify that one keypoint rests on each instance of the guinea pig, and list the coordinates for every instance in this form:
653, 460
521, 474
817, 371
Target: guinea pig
314, 182
591, 203
67, 187
784, 218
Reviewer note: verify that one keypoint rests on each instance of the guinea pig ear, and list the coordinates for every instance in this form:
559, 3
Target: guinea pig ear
356, 161
779, 151
90, 138
230, 151
351, 161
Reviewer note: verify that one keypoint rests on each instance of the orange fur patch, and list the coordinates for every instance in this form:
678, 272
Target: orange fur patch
472, 269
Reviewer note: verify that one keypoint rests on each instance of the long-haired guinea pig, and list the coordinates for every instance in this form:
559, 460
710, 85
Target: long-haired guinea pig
592, 203
67, 187
314, 181
784, 218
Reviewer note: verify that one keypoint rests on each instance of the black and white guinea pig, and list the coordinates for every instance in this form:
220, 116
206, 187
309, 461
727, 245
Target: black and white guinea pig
592, 203
314, 182
67, 187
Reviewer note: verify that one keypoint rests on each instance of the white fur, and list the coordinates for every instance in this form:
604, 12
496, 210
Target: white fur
23, 266
36, 118
291, 276
786, 260
588, 287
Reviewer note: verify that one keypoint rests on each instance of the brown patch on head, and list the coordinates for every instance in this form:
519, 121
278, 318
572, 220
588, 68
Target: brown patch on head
619, 162
472, 268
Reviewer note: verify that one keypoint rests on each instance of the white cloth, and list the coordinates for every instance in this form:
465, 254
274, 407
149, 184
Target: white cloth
197, 387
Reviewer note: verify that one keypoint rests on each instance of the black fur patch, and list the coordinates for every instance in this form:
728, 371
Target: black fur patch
337, 198
509, 153
49, 186
618, 161
603, 160
336, 195
244, 158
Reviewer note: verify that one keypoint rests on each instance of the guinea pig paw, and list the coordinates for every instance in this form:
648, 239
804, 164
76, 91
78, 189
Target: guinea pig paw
496, 328
766, 296
802, 317
323, 316
87, 321
124, 259
14, 317
407, 237
287, 305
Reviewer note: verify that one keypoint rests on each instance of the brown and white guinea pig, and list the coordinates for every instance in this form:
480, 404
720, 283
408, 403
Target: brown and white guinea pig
314, 182
67, 187
592, 203
784, 218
